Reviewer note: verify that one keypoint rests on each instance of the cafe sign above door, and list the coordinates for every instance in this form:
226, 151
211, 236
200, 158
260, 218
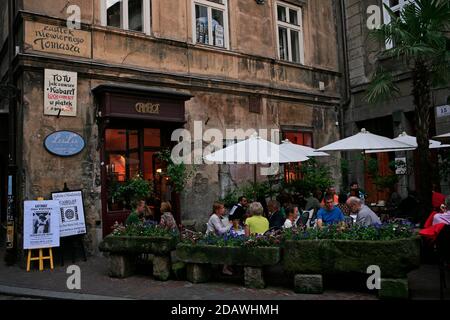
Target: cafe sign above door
64, 143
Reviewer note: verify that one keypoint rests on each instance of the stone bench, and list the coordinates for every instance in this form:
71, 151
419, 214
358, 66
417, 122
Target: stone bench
199, 259
124, 251
309, 260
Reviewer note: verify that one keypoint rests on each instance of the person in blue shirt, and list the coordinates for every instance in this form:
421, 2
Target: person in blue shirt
329, 214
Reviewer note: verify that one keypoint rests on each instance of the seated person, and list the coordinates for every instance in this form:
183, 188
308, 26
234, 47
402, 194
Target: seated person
329, 214
343, 205
215, 224
445, 216
312, 203
137, 215
256, 224
292, 215
276, 219
167, 220
239, 210
149, 217
365, 216
330, 192
236, 228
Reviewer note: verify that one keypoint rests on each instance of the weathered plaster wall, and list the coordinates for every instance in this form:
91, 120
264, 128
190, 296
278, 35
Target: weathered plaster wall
43, 172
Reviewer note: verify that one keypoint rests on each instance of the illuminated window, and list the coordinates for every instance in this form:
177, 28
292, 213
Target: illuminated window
292, 171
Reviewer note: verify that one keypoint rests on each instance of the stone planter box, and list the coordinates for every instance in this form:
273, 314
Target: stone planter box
395, 258
200, 257
124, 251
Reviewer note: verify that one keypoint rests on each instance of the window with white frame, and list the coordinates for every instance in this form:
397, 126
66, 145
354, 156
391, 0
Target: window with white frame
289, 32
210, 22
127, 14
396, 6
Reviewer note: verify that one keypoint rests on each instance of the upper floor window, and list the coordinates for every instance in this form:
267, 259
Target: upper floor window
289, 32
210, 22
127, 14
396, 6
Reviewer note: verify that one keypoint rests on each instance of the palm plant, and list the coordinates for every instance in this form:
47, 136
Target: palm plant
420, 38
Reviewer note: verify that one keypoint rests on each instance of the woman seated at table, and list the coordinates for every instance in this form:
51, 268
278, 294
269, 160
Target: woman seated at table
215, 223
167, 220
256, 224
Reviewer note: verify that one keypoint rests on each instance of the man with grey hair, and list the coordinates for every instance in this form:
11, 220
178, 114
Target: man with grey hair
443, 217
365, 216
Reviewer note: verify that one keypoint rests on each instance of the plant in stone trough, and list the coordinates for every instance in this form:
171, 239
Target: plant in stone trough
388, 231
138, 230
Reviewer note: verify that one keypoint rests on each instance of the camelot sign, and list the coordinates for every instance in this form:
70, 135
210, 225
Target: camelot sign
152, 108
57, 39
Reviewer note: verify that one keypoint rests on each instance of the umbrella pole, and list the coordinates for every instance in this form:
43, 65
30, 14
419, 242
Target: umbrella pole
254, 173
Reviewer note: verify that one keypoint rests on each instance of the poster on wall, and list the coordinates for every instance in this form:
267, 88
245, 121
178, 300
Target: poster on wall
60, 93
41, 224
71, 213
400, 166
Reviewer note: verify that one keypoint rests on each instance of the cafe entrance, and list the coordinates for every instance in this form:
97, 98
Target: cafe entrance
135, 125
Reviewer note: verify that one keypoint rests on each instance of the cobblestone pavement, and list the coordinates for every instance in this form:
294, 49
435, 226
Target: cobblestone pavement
95, 281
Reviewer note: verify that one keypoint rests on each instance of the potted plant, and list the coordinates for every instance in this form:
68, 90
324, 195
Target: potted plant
132, 190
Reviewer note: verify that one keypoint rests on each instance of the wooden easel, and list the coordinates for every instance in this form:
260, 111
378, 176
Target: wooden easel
41, 256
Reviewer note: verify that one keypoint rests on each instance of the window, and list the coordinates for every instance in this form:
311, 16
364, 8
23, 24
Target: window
127, 14
289, 33
210, 22
129, 152
397, 7
292, 171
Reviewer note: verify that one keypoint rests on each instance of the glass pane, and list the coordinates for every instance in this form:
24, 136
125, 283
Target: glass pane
393, 3
282, 33
113, 13
149, 157
217, 1
116, 167
293, 17
133, 139
133, 163
295, 46
281, 13
218, 28
115, 140
152, 137
201, 18
307, 139
135, 20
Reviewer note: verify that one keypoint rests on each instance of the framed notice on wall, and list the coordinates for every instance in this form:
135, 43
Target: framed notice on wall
71, 213
41, 224
60, 93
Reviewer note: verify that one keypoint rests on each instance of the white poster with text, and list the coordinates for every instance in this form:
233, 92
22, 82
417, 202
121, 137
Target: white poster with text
60, 93
41, 224
71, 213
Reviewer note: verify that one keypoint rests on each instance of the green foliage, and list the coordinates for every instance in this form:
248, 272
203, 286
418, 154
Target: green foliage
133, 190
315, 176
388, 231
139, 230
252, 191
382, 182
178, 173
382, 87
229, 240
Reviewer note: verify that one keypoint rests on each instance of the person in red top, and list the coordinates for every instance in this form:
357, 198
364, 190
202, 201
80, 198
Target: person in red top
437, 199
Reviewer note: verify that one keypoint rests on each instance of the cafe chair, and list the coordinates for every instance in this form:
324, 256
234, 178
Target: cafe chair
443, 252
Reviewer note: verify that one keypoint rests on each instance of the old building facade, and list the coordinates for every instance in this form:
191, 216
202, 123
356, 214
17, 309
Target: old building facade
392, 117
145, 68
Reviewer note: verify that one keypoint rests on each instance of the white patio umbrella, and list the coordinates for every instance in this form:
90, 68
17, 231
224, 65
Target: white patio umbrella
405, 138
443, 136
254, 150
307, 151
365, 141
